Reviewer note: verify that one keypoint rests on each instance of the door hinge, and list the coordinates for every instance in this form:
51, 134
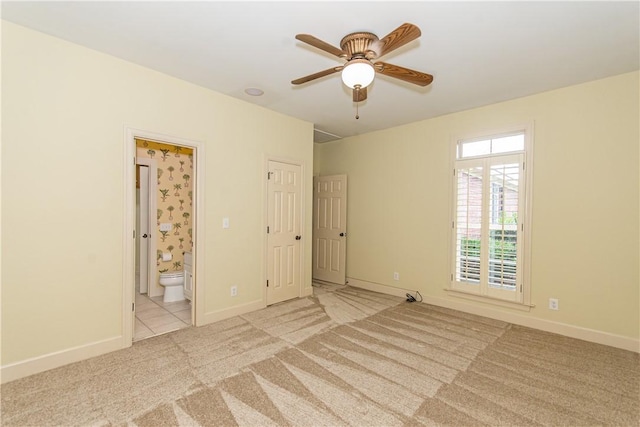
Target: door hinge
267, 229
452, 277
267, 283
453, 224
521, 287
134, 161
133, 306
523, 165
454, 172
134, 234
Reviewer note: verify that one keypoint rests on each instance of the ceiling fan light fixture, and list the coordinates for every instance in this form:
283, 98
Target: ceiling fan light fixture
358, 72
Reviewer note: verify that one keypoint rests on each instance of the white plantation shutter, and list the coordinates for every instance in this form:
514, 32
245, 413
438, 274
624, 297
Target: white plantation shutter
487, 223
503, 228
468, 223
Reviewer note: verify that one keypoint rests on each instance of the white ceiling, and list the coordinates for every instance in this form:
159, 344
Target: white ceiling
478, 52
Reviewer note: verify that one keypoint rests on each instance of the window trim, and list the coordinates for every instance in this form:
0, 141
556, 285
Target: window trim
528, 154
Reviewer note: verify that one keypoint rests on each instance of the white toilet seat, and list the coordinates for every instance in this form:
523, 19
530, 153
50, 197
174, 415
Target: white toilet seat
172, 274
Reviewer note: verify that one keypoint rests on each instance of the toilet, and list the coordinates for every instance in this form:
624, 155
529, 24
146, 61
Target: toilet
173, 286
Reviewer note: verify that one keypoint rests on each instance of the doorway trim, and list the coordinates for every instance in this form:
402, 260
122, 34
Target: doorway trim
129, 229
265, 221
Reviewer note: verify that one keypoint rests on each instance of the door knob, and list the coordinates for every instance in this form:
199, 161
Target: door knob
144, 235
341, 234
298, 237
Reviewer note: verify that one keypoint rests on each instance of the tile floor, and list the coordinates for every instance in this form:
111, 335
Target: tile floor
154, 317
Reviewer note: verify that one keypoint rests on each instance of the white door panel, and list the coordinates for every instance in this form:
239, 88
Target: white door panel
143, 231
284, 232
148, 209
330, 228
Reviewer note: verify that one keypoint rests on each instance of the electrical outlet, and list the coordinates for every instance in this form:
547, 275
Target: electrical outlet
234, 291
396, 276
553, 304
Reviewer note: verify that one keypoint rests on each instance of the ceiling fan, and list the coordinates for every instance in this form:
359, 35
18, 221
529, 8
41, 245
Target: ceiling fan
360, 50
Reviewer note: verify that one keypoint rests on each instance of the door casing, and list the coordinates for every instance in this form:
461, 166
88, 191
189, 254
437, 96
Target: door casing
129, 229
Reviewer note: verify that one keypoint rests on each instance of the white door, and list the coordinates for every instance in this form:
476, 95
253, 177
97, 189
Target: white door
143, 229
146, 233
330, 228
188, 275
284, 238
188, 285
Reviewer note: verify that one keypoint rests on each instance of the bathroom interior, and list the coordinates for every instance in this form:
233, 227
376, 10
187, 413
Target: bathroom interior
164, 263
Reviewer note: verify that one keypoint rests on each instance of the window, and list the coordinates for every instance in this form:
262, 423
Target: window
489, 224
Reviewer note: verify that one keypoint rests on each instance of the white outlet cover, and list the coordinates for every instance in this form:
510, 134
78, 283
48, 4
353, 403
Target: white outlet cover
225, 222
166, 226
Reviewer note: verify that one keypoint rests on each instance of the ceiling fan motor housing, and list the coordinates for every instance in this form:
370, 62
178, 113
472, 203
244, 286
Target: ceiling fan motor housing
359, 45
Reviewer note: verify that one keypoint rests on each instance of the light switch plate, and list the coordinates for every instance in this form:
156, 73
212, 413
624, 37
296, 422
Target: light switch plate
166, 226
225, 222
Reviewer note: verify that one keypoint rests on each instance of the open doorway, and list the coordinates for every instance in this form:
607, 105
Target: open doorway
164, 246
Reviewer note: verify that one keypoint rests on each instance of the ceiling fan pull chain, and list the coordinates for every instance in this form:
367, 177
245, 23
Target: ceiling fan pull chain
358, 100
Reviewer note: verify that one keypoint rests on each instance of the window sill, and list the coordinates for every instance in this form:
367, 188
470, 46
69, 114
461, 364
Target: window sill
490, 300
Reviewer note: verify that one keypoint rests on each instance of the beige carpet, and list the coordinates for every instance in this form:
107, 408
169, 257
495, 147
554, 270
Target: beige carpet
344, 357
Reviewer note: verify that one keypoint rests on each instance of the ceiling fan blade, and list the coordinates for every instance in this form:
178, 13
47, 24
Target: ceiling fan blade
405, 74
316, 42
360, 94
402, 35
316, 75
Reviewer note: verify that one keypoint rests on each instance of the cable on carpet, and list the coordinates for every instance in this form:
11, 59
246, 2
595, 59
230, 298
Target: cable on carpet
411, 298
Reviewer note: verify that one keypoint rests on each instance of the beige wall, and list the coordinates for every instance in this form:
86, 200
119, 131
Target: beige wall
64, 112
585, 236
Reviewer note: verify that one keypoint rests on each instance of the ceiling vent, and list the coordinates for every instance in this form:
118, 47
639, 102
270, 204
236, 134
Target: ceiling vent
321, 136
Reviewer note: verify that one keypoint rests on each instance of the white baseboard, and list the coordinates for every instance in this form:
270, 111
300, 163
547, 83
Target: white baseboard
226, 313
586, 334
45, 362
24, 368
377, 287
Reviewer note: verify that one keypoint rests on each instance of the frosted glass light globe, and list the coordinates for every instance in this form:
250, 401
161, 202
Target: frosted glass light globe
358, 72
